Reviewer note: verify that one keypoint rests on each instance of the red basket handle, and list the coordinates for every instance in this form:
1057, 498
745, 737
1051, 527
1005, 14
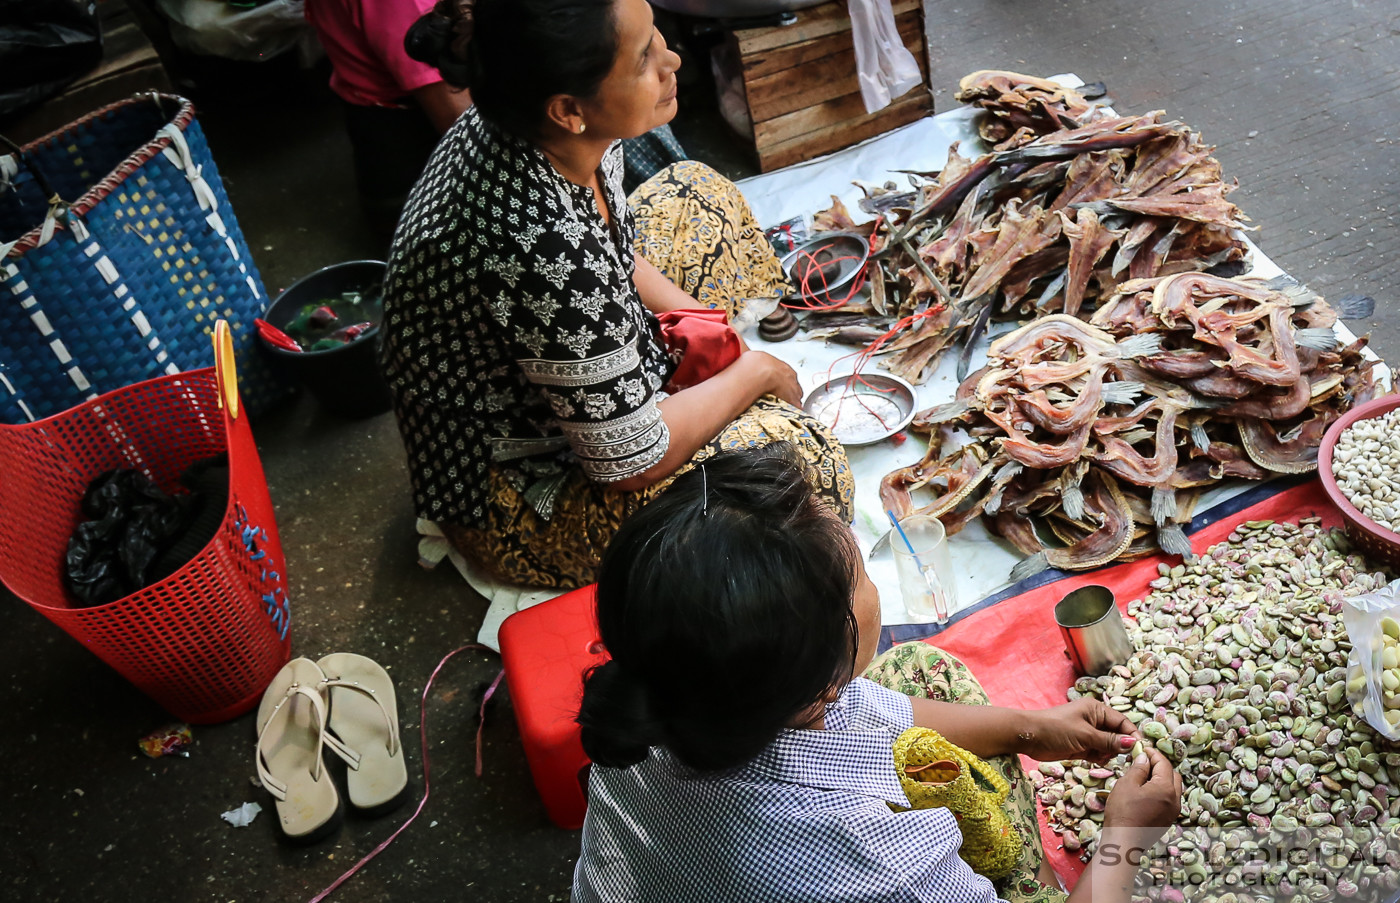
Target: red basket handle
224, 370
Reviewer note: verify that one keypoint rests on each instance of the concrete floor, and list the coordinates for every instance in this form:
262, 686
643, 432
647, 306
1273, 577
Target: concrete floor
1299, 96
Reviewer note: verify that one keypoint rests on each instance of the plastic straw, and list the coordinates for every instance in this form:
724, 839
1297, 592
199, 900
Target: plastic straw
939, 609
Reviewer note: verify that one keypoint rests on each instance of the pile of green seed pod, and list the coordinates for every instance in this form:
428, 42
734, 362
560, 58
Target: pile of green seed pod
1239, 677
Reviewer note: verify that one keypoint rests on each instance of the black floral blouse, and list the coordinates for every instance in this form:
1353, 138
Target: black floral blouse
513, 333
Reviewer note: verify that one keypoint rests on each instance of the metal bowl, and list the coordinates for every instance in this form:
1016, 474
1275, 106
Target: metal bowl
824, 248
863, 408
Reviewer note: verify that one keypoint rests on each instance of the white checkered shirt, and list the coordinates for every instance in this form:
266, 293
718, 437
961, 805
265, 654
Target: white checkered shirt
806, 820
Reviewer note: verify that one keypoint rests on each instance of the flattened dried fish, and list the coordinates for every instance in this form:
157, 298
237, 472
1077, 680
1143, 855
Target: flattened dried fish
1053, 224
1111, 440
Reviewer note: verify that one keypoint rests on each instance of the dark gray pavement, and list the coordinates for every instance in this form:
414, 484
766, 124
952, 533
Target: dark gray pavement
1301, 98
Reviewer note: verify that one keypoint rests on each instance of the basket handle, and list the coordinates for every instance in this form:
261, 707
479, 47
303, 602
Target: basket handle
224, 369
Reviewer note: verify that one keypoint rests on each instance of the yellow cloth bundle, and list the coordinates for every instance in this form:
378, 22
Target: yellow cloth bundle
936, 774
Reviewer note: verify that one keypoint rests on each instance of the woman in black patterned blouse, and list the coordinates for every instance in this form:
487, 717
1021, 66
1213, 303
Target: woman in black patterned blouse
521, 340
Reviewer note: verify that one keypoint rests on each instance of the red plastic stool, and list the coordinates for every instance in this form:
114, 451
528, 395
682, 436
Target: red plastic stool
546, 650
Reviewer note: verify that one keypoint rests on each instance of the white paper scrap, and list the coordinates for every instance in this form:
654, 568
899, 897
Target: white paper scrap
243, 816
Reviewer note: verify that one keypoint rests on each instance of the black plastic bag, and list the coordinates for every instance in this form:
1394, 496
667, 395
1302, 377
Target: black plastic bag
44, 45
130, 524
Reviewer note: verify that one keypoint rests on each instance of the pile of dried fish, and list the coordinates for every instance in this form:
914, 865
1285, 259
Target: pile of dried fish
1051, 225
1239, 677
1021, 108
1091, 442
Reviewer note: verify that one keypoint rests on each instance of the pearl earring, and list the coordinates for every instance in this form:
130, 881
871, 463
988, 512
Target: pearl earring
581, 127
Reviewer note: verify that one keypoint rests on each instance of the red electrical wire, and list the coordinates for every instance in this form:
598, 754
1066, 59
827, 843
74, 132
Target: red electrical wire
864, 355
809, 295
427, 783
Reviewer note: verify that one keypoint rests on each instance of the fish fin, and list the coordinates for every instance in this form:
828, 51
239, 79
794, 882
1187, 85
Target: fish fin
1163, 505
1008, 470
1123, 258
1122, 392
1220, 264
1319, 338
1199, 437
1173, 541
1053, 288
945, 412
1098, 208
1298, 294
1141, 344
1354, 307
1164, 244
979, 327
1029, 567
1072, 501
993, 504
1204, 403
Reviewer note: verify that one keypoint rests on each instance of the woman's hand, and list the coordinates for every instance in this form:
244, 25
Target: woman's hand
1143, 804
1146, 800
779, 378
1084, 729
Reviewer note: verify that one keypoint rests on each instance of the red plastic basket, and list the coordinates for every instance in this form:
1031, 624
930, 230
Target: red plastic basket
1377, 542
206, 641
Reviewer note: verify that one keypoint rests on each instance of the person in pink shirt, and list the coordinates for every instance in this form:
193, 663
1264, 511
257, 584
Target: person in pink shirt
396, 108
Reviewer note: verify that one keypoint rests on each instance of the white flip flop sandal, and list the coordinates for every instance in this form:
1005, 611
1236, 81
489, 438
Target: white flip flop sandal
364, 731
291, 734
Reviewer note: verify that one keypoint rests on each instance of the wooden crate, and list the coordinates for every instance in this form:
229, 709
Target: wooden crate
803, 94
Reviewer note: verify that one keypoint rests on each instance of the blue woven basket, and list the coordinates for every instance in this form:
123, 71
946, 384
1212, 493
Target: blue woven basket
118, 252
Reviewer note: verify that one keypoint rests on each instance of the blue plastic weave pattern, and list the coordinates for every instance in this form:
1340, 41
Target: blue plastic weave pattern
124, 283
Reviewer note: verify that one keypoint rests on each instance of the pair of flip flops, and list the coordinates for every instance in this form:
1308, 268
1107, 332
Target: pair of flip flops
344, 702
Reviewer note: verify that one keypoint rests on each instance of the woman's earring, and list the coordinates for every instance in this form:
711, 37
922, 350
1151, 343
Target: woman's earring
581, 127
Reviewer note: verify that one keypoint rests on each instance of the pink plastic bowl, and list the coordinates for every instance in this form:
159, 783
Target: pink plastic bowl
1375, 541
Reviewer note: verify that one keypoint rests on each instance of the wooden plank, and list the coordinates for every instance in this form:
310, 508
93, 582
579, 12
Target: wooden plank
770, 62
830, 138
835, 111
817, 81
829, 18
819, 21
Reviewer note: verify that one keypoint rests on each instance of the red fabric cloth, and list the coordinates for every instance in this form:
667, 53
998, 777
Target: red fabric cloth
1015, 650
703, 340
364, 41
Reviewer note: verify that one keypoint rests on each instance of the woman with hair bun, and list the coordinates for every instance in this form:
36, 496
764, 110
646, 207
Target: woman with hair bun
395, 107
742, 736
538, 400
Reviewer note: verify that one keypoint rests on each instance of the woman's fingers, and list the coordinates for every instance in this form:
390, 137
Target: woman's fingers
1116, 721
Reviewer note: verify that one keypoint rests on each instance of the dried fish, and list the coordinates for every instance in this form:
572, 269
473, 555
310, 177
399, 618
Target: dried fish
1020, 107
1052, 223
1111, 440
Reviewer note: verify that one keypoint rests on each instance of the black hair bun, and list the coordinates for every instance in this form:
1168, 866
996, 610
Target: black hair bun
617, 719
430, 40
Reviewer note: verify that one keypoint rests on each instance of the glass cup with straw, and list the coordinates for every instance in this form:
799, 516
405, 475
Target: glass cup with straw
924, 565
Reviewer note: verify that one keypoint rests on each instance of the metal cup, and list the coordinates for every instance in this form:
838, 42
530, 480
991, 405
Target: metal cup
1095, 638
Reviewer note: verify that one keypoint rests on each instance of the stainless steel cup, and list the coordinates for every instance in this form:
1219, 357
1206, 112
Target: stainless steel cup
1095, 637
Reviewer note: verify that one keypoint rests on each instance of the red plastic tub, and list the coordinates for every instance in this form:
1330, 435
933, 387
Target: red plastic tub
1371, 538
204, 642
